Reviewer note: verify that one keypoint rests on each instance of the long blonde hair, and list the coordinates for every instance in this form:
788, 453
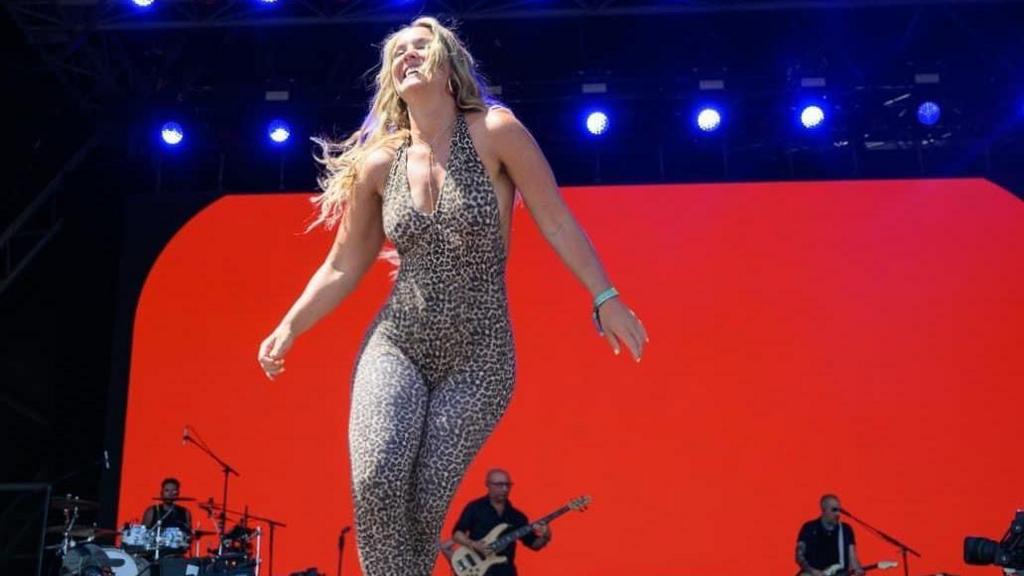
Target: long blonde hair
386, 125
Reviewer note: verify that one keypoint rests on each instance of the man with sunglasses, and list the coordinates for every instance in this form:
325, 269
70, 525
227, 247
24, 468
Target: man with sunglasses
481, 516
825, 542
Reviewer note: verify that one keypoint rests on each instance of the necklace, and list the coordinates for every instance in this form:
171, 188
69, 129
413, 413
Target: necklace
431, 161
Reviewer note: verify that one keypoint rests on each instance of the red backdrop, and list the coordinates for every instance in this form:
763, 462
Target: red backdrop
856, 337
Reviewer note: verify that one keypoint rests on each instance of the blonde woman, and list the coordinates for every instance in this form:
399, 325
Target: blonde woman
434, 169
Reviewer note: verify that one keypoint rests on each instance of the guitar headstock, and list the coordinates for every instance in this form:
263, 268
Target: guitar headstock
579, 504
887, 564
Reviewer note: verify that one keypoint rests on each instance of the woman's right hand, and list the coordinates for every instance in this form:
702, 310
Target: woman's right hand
272, 351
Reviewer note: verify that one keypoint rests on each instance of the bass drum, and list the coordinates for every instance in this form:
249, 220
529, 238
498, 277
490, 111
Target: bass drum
133, 565
90, 559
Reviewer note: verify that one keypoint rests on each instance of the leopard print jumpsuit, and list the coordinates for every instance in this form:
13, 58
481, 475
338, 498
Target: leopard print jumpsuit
437, 367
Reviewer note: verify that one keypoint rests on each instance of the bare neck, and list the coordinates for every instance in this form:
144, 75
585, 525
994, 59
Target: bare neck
430, 118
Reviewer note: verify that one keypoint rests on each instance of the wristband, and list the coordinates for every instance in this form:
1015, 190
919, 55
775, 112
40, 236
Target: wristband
598, 302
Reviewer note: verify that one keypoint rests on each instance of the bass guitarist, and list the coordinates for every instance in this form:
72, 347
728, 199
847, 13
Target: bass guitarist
826, 542
481, 515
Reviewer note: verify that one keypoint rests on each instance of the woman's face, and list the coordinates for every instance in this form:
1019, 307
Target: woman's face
408, 59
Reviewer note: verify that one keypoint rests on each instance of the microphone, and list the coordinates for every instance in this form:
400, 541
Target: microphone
346, 530
844, 511
184, 435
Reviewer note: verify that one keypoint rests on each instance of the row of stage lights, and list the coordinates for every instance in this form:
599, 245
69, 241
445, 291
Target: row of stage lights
148, 3
596, 123
278, 132
709, 119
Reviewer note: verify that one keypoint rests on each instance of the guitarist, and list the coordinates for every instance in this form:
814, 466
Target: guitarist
825, 542
481, 515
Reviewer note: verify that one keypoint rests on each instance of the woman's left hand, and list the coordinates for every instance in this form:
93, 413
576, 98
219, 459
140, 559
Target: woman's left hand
621, 326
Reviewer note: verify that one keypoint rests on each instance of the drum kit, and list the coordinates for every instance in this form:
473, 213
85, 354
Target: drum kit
140, 550
163, 547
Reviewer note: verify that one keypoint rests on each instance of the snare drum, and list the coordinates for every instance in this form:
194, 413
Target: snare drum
173, 538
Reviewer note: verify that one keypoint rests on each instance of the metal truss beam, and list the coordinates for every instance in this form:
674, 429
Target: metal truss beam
111, 15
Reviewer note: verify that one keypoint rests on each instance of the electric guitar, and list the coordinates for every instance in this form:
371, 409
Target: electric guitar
838, 570
468, 562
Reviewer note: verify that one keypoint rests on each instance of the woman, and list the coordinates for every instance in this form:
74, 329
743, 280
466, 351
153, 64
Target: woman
434, 169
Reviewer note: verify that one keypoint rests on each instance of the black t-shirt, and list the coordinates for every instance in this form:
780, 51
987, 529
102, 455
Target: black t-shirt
822, 544
479, 517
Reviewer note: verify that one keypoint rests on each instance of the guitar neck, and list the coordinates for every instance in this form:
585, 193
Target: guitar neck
866, 568
518, 533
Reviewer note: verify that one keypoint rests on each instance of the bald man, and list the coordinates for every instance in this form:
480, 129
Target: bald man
481, 516
819, 542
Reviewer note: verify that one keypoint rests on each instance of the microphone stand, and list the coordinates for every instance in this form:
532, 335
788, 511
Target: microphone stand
156, 542
273, 524
228, 470
341, 546
904, 549
159, 528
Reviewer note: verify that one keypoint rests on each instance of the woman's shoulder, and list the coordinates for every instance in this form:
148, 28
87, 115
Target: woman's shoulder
377, 164
497, 128
380, 158
494, 120
373, 170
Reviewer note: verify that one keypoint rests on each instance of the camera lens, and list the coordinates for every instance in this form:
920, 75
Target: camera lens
980, 551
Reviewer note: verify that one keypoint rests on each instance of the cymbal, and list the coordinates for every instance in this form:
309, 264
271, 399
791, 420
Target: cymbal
203, 533
210, 507
178, 499
61, 502
83, 531
239, 531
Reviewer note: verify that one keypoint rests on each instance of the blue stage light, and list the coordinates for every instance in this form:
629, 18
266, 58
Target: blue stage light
279, 131
172, 133
709, 119
812, 116
929, 113
597, 123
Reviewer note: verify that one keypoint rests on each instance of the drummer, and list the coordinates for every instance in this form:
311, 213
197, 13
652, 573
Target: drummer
169, 514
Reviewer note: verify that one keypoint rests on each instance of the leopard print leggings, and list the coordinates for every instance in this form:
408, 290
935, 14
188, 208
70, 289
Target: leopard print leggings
437, 366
